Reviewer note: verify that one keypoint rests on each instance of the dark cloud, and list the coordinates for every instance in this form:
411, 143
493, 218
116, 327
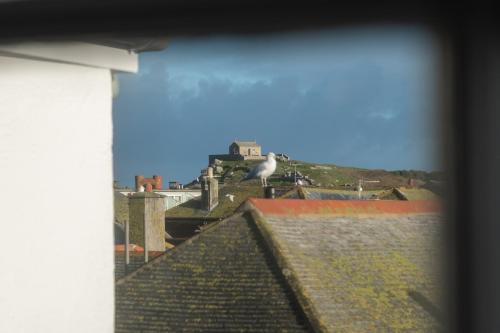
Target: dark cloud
360, 110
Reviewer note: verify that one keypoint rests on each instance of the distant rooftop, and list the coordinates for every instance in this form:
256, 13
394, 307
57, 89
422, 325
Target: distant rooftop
315, 193
247, 143
417, 194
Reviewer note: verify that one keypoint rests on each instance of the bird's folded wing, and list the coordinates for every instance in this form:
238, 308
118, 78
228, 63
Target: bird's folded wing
255, 171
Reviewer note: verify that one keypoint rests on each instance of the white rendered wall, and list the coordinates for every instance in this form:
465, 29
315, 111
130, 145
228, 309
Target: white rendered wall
56, 257
173, 198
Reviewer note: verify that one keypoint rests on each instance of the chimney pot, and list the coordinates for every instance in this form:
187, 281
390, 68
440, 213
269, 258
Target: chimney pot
269, 192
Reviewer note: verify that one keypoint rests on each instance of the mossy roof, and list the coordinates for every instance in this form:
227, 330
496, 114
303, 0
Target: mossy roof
136, 261
311, 193
296, 265
418, 194
225, 208
318, 193
223, 280
358, 266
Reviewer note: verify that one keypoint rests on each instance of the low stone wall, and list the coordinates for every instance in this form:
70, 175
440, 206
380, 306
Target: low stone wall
259, 158
230, 157
224, 157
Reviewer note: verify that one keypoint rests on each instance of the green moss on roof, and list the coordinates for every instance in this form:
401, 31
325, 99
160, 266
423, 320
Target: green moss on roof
223, 280
334, 194
357, 274
190, 208
418, 194
388, 195
241, 193
225, 207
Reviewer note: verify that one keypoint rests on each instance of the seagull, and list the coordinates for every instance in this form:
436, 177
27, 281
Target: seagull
230, 196
141, 188
263, 170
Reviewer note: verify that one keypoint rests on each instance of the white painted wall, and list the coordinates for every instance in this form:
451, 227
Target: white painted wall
173, 198
56, 257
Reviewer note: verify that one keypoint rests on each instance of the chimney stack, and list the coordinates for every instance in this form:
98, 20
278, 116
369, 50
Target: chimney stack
147, 221
209, 191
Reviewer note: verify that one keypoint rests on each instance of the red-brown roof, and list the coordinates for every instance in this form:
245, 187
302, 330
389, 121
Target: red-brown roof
131, 248
343, 207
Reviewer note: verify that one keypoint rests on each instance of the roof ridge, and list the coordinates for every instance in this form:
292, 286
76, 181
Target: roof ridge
286, 269
173, 251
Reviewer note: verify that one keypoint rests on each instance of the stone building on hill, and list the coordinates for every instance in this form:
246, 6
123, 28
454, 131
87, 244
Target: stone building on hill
248, 149
239, 151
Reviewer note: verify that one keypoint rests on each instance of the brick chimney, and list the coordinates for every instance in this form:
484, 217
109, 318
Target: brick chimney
149, 183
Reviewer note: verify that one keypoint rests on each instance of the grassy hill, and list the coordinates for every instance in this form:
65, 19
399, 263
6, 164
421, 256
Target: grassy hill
323, 175
327, 176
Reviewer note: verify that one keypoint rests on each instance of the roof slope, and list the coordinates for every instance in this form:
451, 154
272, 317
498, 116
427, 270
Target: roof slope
417, 194
136, 261
224, 279
314, 193
247, 143
225, 208
358, 266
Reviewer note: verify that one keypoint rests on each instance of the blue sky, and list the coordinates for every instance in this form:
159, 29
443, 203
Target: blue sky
360, 97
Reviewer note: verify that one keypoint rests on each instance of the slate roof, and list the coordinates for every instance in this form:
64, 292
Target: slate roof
136, 260
222, 280
358, 266
417, 194
315, 193
326, 194
295, 265
247, 143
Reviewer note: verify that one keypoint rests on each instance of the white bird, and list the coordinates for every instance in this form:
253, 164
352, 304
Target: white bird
263, 170
230, 196
141, 188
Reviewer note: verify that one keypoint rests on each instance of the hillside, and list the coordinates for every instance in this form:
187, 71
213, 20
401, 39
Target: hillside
323, 175
330, 176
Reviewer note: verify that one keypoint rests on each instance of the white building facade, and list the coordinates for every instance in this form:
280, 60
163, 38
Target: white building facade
56, 132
